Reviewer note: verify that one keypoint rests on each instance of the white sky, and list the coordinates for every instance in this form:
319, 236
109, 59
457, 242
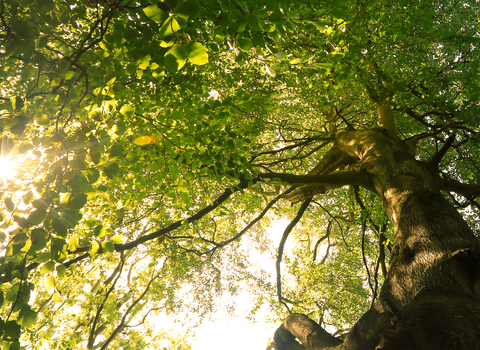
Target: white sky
233, 334
237, 333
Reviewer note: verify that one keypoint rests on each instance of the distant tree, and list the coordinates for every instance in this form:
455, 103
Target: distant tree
154, 143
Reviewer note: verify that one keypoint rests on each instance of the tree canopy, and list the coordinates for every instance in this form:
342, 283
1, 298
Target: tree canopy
154, 142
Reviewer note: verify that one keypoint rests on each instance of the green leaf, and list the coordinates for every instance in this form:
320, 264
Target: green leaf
11, 331
117, 151
40, 203
9, 204
187, 9
17, 103
155, 13
61, 270
245, 44
170, 27
108, 247
197, 53
37, 217
47, 267
325, 65
144, 62
43, 257
99, 231
175, 58
59, 249
60, 227
339, 13
77, 201
111, 170
127, 111
117, 239
42, 119
132, 157
95, 155
73, 243
39, 239
49, 282
94, 249
92, 175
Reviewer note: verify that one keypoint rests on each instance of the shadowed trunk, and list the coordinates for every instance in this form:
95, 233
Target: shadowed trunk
430, 298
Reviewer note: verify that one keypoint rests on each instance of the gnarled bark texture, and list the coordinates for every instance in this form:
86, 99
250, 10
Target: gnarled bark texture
430, 298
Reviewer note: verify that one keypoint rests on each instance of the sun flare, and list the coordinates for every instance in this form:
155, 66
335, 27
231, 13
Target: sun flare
7, 168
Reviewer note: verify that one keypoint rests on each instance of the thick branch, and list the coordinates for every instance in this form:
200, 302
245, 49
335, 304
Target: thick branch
338, 179
467, 190
284, 340
322, 183
309, 333
328, 160
386, 119
437, 158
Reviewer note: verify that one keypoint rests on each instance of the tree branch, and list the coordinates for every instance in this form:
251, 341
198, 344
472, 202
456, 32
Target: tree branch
93, 333
284, 340
412, 141
253, 222
325, 236
309, 333
467, 190
143, 239
281, 246
437, 158
334, 180
122, 323
222, 198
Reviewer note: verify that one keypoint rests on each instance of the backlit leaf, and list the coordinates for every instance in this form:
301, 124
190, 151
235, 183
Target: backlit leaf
197, 53
73, 243
26, 317
127, 111
49, 282
47, 267
175, 58
169, 27
155, 13
94, 249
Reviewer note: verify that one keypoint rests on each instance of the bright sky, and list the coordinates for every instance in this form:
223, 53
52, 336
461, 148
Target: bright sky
233, 334
237, 333
7, 169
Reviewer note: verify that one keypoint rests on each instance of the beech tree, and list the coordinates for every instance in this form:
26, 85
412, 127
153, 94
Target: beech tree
148, 145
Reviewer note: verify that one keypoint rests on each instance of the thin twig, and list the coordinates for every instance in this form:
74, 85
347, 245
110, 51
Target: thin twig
287, 231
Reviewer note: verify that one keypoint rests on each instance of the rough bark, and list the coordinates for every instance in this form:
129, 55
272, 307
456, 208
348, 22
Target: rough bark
430, 298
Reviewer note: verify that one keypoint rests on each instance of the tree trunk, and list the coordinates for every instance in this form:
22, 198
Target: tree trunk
430, 298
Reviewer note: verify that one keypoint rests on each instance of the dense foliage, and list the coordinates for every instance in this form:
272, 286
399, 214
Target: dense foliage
144, 135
